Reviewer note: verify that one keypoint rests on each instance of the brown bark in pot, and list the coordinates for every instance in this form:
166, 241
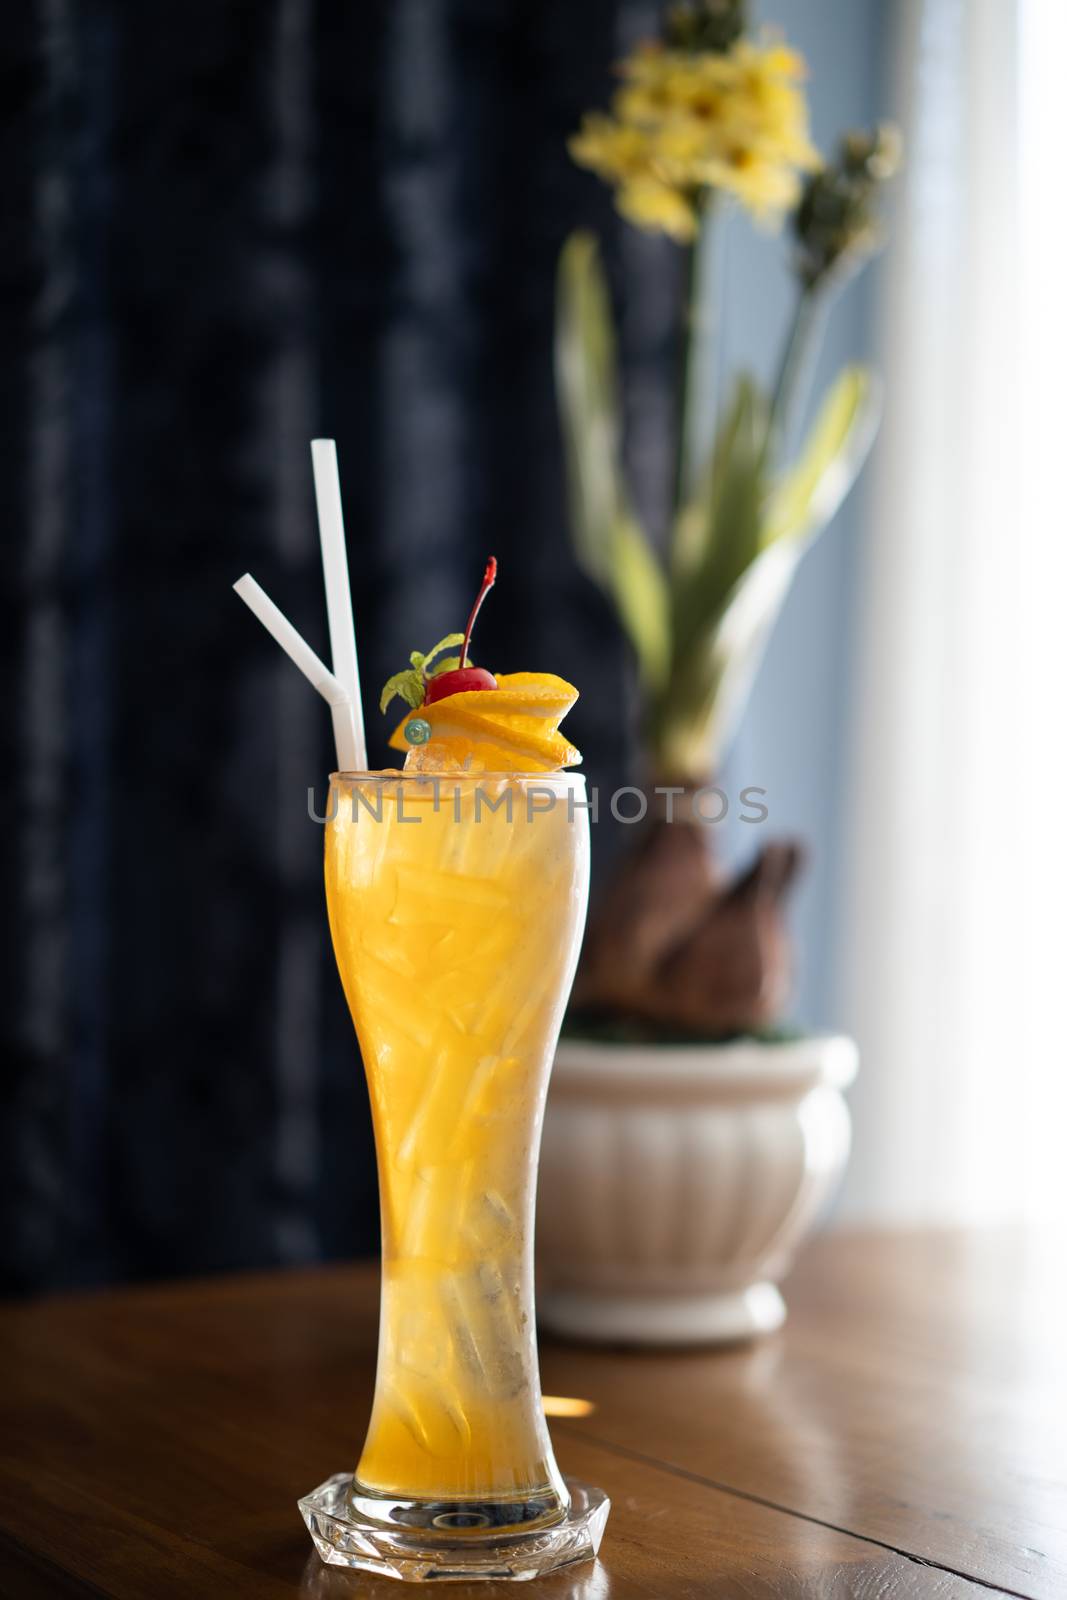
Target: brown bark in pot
671, 945
732, 972
658, 892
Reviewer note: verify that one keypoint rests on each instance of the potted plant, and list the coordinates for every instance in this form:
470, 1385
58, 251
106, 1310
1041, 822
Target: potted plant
688, 1139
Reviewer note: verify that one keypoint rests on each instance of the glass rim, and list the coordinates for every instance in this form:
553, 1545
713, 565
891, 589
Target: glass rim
559, 776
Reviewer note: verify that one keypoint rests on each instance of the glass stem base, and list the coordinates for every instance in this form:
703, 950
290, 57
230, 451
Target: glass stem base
419, 1541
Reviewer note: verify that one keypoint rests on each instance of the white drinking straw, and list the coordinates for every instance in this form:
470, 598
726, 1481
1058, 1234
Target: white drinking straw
349, 757
338, 591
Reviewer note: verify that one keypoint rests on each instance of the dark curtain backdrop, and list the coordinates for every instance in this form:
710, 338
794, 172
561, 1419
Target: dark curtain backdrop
229, 228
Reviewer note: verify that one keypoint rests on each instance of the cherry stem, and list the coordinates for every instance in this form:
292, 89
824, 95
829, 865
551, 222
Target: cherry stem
487, 583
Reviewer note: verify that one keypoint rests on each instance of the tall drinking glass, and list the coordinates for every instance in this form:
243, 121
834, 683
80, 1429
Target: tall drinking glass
456, 908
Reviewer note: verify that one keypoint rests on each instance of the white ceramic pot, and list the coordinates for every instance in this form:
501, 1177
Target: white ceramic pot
677, 1181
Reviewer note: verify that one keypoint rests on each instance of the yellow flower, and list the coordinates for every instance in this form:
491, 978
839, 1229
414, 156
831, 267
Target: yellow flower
614, 150
735, 121
658, 208
625, 156
764, 187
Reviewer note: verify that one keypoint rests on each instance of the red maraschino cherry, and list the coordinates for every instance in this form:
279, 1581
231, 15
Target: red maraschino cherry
463, 678
458, 682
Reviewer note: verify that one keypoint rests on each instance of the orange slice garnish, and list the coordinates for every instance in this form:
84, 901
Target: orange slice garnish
512, 728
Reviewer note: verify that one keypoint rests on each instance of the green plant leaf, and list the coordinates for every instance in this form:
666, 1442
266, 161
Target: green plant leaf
641, 598
588, 398
709, 688
447, 664
694, 523
608, 540
835, 449
717, 534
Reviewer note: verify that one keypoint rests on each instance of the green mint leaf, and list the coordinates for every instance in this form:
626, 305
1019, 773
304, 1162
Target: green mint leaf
406, 684
447, 643
446, 664
410, 684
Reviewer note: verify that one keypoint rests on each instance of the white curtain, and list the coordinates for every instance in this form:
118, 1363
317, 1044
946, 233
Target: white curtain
954, 894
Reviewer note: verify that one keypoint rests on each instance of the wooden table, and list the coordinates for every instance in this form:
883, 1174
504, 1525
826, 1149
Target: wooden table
904, 1436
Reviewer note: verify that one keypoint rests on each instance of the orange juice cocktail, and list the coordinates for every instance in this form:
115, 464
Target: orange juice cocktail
456, 906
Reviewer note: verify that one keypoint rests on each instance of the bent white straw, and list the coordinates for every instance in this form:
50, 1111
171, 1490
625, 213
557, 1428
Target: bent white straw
318, 674
338, 590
